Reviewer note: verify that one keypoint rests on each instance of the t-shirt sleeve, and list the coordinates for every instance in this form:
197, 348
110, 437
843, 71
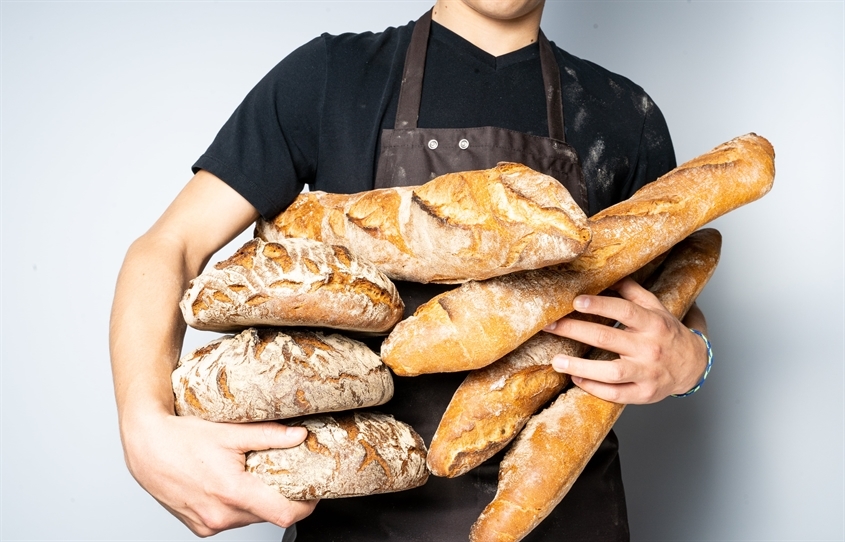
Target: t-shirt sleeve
267, 150
656, 154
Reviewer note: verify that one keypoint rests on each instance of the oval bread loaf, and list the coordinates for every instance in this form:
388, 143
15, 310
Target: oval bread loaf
295, 282
347, 455
265, 374
459, 226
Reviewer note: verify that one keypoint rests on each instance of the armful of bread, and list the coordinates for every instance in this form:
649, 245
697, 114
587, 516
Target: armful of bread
556, 444
458, 330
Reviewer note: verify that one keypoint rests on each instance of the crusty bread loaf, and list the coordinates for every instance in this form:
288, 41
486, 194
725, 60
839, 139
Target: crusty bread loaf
270, 374
479, 322
295, 282
460, 226
556, 444
346, 455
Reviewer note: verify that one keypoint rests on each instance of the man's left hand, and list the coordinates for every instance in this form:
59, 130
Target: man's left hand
658, 355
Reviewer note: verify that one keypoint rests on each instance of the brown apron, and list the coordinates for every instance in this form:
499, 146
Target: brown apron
444, 509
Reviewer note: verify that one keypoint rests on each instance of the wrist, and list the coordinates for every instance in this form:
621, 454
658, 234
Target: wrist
704, 351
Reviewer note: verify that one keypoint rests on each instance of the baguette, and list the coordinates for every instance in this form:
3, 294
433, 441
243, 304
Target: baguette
267, 374
479, 322
459, 226
347, 455
295, 282
493, 403
556, 445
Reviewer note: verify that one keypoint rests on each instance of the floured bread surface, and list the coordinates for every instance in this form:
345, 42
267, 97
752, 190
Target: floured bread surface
293, 282
265, 374
457, 227
346, 455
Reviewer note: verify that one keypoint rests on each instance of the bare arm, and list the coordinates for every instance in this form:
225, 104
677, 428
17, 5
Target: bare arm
194, 468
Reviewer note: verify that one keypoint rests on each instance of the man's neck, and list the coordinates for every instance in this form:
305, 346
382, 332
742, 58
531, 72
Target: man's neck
497, 36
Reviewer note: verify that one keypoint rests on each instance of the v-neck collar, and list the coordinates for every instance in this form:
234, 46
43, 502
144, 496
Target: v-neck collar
464, 47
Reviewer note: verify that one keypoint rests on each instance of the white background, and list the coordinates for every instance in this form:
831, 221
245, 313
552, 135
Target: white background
105, 106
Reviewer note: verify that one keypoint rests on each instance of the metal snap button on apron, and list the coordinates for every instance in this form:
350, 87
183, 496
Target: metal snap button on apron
432, 144
463, 143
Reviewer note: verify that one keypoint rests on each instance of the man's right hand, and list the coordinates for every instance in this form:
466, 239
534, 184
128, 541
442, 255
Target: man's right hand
195, 469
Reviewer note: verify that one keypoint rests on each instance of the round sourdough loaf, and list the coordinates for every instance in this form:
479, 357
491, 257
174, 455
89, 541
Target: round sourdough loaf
347, 455
266, 374
293, 282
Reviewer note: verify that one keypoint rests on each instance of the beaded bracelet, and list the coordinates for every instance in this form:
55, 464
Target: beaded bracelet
706, 371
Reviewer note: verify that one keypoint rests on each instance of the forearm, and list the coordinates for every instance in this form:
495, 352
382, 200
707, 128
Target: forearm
146, 328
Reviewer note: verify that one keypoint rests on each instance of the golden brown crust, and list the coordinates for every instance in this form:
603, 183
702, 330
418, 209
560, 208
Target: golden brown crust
460, 226
625, 237
531, 484
295, 282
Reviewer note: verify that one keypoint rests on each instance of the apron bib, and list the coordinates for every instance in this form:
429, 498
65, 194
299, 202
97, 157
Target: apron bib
411, 156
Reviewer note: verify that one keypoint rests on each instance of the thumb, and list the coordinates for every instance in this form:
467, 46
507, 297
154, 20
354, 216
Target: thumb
264, 436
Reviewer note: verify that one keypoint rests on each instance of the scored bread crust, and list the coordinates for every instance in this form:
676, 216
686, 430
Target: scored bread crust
345, 455
293, 282
269, 374
457, 227
556, 444
458, 331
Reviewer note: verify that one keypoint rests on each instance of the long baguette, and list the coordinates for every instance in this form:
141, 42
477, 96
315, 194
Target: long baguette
479, 322
556, 445
493, 403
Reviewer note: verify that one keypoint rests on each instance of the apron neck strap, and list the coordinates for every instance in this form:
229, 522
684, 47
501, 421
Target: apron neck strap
410, 93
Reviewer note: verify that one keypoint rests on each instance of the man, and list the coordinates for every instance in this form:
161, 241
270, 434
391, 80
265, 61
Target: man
330, 115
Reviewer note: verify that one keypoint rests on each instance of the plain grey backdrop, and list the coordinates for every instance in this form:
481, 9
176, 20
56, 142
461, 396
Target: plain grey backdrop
105, 106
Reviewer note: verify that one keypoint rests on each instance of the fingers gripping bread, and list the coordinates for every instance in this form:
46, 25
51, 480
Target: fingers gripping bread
460, 226
493, 403
458, 330
556, 444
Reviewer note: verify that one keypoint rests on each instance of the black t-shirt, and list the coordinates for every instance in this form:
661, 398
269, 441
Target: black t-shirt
316, 119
